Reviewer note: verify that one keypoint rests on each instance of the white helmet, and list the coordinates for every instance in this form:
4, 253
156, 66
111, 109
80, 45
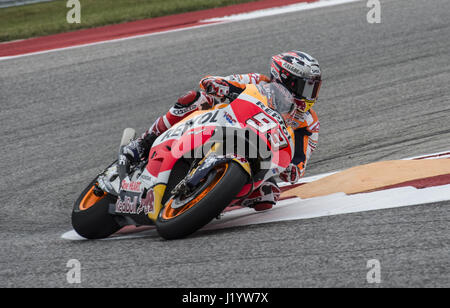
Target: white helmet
300, 74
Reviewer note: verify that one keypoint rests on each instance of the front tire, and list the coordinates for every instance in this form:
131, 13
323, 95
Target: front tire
90, 217
228, 181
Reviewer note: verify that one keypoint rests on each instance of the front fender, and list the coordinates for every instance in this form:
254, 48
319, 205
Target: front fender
211, 160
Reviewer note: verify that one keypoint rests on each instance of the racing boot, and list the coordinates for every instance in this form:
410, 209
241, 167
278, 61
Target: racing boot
138, 149
263, 198
134, 152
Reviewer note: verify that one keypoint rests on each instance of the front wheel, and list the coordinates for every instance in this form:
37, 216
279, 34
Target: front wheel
180, 218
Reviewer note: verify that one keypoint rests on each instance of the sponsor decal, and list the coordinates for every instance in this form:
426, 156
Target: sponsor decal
130, 204
209, 117
182, 111
275, 73
131, 186
293, 69
229, 118
206, 119
147, 203
146, 178
126, 206
251, 202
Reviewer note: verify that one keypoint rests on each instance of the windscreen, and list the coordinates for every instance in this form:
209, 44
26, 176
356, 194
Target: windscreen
279, 97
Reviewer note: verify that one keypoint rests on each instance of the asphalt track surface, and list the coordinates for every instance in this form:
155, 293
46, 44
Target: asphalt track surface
385, 96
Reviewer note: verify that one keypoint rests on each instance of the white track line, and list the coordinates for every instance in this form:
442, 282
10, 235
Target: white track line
304, 6
440, 155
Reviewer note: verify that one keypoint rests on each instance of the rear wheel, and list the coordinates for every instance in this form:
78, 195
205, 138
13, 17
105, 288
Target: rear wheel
90, 217
183, 215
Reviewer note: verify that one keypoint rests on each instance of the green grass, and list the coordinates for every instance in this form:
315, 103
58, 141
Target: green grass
50, 17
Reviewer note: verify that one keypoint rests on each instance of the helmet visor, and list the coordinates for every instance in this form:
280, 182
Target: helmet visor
303, 88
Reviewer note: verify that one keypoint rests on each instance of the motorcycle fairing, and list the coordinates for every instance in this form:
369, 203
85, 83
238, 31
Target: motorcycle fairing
199, 129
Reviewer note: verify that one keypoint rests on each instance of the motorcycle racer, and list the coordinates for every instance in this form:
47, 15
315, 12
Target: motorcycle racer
296, 71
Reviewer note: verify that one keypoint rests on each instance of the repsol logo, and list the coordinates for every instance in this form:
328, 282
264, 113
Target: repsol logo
207, 118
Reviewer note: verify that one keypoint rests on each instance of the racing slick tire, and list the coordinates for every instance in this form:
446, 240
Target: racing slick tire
220, 188
90, 217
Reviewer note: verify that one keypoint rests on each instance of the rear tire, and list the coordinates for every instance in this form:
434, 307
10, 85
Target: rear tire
206, 209
94, 222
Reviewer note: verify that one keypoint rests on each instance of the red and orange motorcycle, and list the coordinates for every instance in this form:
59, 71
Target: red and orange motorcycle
208, 161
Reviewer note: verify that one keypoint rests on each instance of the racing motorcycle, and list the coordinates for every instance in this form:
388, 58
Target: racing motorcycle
212, 159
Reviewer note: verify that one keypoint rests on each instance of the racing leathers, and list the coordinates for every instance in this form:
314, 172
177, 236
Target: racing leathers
216, 89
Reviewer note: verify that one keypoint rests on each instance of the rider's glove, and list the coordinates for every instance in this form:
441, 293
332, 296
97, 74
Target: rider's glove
215, 86
194, 100
292, 173
205, 101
